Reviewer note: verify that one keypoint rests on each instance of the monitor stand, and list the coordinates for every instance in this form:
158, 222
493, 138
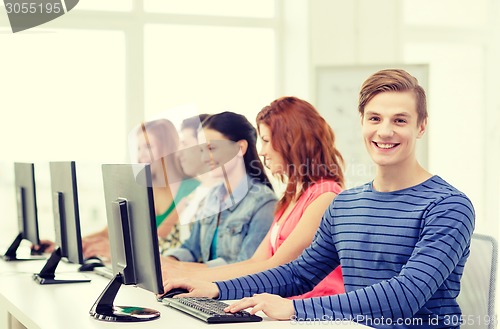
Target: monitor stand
47, 274
104, 310
11, 254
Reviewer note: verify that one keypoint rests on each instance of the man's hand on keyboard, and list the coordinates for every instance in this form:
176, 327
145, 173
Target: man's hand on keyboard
197, 288
273, 306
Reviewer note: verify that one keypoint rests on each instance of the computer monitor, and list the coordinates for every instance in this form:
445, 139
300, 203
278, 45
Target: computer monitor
26, 211
66, 224
133, 240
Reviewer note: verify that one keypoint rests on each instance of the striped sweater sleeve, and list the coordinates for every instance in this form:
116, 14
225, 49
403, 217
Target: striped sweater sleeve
294, 278
443, 241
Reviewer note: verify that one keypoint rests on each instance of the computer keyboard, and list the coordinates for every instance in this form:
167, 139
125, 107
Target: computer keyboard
209, 310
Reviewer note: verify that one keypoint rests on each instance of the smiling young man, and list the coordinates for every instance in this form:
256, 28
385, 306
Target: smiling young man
402, 239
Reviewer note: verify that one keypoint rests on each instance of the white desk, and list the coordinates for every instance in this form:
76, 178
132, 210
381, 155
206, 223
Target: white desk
64, 306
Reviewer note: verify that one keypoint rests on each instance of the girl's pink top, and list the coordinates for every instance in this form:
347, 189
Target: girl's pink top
332, 284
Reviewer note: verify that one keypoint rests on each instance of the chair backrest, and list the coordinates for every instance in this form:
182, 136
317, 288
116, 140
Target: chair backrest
477, 292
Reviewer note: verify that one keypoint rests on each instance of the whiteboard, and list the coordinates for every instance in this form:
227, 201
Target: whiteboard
337, 92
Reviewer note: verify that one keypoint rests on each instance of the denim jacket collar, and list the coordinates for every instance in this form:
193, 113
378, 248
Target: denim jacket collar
217, 203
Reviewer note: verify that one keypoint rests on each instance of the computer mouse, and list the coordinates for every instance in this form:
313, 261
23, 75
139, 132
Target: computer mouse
91, 258
172, 292
90, 263
39, 249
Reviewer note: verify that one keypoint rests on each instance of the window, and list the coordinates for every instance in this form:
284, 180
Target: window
74, 87
215, 68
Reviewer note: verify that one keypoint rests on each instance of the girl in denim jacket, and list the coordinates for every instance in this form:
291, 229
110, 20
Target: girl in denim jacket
237, 213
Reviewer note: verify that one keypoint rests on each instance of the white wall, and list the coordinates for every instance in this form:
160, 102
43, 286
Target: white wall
463, 144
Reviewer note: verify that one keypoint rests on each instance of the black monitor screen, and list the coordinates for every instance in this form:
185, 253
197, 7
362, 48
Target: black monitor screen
27, 218
65, 210
26, 201
66, 224
133, 240
132, 225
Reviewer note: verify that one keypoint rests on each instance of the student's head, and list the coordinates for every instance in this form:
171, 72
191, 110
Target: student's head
189, 130
298, 143
156, 140
221, 128
189, 152
393, 116
393, 80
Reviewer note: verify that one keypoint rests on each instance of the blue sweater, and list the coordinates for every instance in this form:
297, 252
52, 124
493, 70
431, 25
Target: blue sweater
402, 255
